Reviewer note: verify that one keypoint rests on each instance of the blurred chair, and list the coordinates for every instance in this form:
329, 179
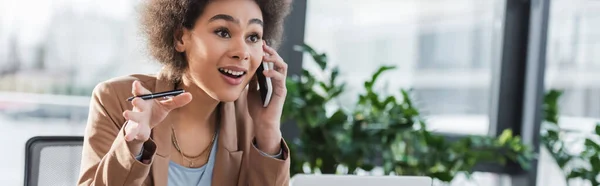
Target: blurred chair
52, 160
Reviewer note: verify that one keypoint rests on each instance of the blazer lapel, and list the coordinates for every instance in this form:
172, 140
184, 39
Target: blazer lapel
229, 157
161, 134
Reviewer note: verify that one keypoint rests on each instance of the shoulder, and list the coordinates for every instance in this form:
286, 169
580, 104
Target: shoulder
113, 92
123, 84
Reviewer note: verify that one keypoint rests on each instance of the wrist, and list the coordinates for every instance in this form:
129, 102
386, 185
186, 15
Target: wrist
268, 140
135, 147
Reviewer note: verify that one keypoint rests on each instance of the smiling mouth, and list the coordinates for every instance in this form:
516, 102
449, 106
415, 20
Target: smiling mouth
232, 73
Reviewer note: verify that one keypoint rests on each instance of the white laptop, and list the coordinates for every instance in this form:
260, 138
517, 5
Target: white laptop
353, 180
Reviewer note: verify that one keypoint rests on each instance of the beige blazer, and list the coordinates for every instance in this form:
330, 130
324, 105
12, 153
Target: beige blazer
106, 159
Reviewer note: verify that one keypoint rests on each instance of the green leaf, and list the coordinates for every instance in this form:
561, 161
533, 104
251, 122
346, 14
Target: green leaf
374, 100
337, 91
379, 71
338, 118
562, 160
368, 86
324, 86
591, 144
552, 135
368, 167
550, 106
576, 173
597, 128
388, 167
334, 74
505, 136
320, 59
595, 162
406, 98
523, 162
389, 100
443, 176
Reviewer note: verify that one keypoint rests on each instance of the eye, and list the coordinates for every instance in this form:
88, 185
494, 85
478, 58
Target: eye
223, 32
254, 38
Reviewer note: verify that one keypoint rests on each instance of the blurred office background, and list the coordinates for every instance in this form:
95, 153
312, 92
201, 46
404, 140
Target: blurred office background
53, 52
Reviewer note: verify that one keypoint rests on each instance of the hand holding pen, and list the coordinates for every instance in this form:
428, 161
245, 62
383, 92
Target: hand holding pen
148, 112
167, 94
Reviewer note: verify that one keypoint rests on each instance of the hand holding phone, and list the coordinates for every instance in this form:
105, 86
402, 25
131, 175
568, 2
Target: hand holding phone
264, 84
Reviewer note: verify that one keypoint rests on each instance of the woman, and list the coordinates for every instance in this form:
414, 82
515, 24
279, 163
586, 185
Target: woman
217, 132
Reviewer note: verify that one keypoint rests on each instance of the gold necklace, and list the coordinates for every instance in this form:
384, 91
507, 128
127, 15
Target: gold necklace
191, 159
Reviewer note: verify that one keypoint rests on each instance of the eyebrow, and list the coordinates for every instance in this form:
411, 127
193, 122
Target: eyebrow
255, 21
234, 20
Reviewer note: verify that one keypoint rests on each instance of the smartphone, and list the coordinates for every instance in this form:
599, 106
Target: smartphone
264, 84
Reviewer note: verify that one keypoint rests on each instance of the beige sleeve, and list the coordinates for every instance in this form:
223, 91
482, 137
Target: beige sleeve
106, 159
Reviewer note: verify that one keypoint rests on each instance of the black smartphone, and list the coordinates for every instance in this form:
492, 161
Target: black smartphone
264, 84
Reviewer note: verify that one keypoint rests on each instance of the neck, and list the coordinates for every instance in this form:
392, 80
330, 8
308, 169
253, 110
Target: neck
201, 110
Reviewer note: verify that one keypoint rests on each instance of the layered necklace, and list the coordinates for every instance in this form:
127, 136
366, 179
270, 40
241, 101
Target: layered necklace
192, 159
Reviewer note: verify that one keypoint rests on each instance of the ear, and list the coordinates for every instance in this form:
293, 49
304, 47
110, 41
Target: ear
178, 39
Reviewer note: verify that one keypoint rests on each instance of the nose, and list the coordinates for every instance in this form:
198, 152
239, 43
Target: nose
239, 50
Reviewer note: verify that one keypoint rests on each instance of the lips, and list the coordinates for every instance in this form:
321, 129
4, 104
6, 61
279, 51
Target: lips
232, 75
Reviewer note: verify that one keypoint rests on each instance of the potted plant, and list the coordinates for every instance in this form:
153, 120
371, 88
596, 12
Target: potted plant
381, 130
583, 165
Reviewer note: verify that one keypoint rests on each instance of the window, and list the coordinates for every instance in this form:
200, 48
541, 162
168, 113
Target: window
52, 54
572, 60
572, 65
444, 50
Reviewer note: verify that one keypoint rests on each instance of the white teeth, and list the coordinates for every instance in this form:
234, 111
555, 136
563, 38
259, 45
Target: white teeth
235, 73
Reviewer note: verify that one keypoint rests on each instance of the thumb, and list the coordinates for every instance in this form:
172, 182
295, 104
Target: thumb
177, 101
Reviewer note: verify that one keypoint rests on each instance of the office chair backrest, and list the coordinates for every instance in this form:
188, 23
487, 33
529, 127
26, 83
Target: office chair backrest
52, 160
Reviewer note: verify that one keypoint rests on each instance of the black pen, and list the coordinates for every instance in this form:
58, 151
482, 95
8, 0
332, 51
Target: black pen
158, 95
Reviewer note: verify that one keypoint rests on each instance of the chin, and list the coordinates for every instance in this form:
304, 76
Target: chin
227, 95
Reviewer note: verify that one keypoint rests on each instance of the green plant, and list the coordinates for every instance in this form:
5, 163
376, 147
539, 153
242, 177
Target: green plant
395, 128
381, 130
583, 165
305, 104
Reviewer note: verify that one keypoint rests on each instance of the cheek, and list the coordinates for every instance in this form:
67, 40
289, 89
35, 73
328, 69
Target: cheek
202, 57
257, 58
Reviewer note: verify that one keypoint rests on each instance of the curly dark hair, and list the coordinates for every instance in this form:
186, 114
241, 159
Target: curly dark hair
160, 19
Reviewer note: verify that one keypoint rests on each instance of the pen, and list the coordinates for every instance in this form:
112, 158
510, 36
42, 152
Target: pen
158, 95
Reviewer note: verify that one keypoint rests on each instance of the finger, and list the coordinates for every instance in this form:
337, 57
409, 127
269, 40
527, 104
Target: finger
133, 116
277, 76
279, 87
273, 56
279, 64
138, 104
270, 51
131, 131
137, 89
176, 102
